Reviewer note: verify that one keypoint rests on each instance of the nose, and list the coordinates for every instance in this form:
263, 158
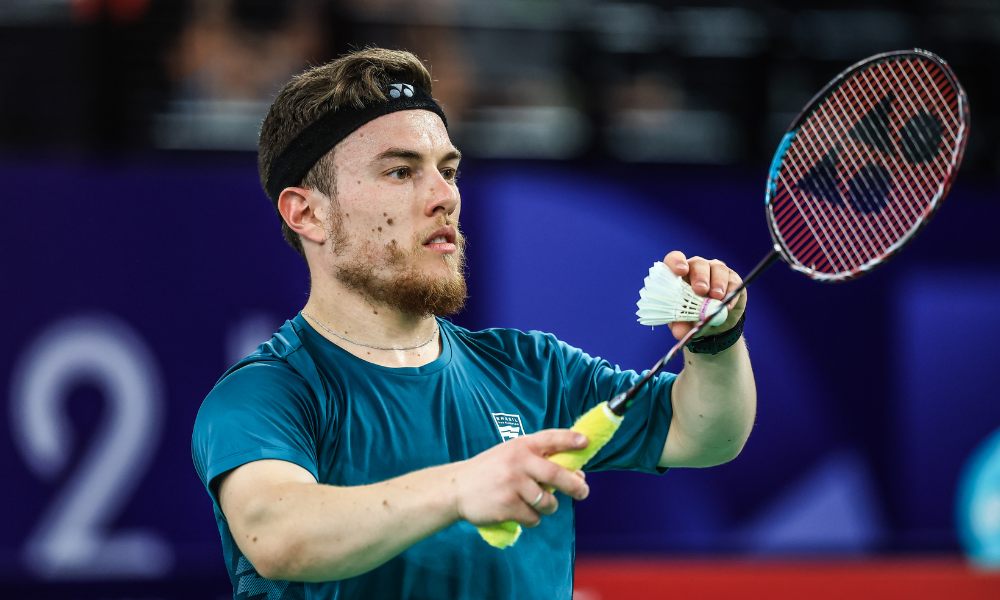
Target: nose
442, 195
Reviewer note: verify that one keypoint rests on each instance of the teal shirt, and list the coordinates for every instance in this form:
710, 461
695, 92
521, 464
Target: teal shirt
302, 399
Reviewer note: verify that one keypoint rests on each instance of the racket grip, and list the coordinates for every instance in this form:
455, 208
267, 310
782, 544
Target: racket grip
599, 424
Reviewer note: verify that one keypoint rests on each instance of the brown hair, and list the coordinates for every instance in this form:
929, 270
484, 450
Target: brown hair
354, 79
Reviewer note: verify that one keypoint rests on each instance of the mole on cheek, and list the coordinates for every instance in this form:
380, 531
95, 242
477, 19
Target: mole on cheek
380, 229
388, 221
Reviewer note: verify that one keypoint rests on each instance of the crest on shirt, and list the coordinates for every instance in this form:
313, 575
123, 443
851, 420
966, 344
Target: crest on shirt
509, 426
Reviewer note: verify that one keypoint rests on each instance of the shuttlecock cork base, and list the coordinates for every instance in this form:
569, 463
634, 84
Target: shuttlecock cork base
667, 298
599, 424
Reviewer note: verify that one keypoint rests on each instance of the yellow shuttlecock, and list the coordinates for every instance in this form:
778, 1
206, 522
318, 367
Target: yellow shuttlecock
599, 424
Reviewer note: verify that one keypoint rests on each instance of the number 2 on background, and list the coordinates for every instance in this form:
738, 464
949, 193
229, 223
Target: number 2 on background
72, 539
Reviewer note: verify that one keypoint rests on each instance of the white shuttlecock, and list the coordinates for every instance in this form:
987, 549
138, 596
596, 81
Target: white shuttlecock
666, 298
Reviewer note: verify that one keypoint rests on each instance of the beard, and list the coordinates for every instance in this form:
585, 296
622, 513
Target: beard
387, 276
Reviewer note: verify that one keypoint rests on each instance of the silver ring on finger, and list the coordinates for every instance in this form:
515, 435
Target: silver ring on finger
538, 499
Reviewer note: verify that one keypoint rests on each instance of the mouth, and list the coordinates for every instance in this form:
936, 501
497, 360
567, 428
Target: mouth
442, 240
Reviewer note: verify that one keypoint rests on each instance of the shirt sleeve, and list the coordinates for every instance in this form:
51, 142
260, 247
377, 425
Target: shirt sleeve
638, 443
264, 410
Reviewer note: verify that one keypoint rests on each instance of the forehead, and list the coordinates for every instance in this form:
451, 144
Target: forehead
419, 130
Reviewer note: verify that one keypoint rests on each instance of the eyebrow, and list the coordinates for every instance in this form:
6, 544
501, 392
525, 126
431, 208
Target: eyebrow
454, 154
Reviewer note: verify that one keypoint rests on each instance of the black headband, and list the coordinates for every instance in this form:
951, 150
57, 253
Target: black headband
313, 142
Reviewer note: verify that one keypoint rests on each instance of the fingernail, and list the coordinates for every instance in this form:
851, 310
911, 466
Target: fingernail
717, 290
586, 492
580, 439
680, 265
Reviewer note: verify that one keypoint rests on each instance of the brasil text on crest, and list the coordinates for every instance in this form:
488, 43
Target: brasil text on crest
509, 426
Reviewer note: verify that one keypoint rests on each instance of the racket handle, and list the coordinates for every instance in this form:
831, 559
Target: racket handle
599, 424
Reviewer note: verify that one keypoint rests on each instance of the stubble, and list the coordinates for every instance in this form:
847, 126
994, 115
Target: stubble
386, 276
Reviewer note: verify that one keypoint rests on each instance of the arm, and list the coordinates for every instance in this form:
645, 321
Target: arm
292, 528
714, 398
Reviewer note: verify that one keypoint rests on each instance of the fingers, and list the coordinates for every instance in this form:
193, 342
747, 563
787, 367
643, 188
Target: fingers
700, 275
677, 262
547, 502
680, 328
552, 476
720, 279
544, 501
519, 509
539, 498
515, 481
549, 474
711, 278
735, 281
708, 277
551, 441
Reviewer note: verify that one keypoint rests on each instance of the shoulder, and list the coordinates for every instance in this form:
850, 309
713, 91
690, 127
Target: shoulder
284, 344
271, 373
513, 346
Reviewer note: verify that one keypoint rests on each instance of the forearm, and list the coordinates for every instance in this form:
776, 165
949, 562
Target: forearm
714, 403
311, 532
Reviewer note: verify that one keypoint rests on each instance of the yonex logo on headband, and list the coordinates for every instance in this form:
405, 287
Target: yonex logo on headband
405, 88
317, 139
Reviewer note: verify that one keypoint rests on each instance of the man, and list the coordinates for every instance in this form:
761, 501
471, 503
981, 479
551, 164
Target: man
352, 455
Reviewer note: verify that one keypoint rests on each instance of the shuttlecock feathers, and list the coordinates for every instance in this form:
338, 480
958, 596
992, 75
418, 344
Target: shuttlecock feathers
666, 298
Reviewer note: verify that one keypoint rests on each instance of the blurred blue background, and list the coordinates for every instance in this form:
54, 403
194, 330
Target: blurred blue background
140, 259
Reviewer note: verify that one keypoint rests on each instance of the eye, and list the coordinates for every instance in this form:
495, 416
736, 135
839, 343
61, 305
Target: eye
450, 174
402, 173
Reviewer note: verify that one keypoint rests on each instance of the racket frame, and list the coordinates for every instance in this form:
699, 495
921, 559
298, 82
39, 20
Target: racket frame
622, 401
778, 160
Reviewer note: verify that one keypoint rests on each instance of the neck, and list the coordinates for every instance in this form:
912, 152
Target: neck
351, 315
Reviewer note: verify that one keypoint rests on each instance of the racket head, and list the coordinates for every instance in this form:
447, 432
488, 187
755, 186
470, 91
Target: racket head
866, 164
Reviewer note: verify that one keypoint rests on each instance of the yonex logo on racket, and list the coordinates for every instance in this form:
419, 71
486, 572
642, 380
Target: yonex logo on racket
883, 130
866, 164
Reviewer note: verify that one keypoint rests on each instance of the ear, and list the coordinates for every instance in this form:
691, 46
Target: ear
303, 210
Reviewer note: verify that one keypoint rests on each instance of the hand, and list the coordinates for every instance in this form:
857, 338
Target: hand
501, 483
710, 278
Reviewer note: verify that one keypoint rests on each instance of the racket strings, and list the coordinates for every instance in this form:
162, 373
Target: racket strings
885, 130
898, 227
915, 205
825, 171
858, 166
835, 230
828, 172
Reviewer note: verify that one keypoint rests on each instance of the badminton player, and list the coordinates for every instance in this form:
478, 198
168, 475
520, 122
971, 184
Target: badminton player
353, 454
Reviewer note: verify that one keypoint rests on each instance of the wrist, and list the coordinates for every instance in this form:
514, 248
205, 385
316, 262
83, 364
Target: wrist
450, 498
714, 344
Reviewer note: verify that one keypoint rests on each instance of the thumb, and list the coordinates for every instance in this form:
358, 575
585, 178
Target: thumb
680, 328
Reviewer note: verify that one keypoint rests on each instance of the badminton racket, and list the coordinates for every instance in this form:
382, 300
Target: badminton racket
860, 171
